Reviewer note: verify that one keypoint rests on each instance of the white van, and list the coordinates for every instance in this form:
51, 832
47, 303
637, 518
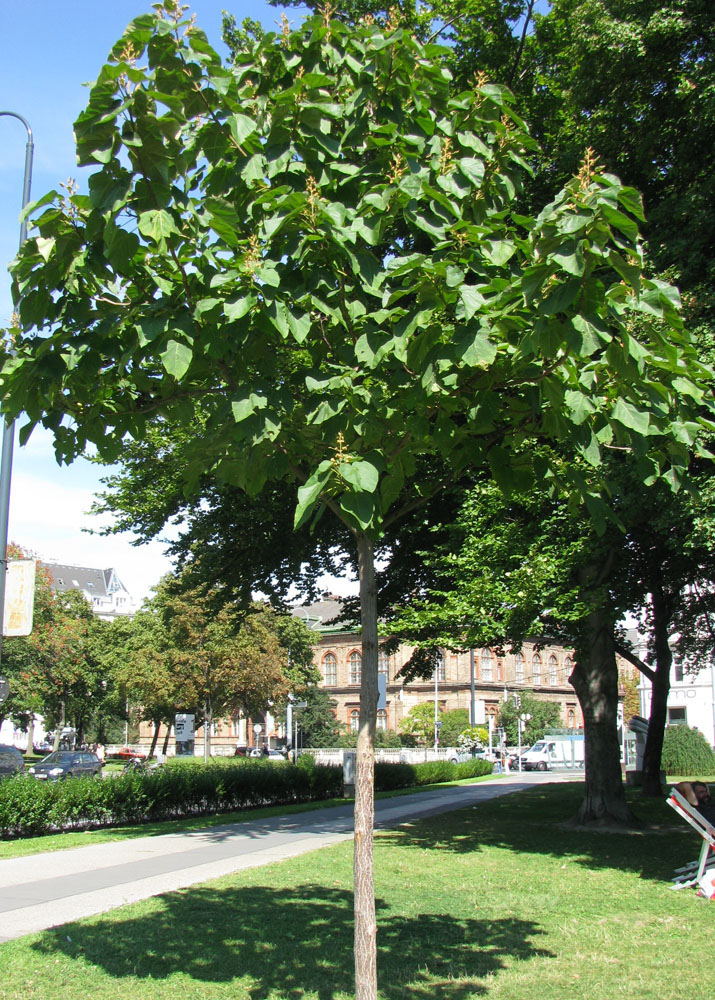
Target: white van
554, 751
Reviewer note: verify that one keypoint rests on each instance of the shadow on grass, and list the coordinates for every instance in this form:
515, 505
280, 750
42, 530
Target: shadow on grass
536, 821
288, 943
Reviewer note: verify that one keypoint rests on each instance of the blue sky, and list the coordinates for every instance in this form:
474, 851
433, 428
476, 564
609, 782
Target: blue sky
48, 50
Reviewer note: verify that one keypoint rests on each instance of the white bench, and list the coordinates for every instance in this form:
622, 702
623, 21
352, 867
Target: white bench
691, 873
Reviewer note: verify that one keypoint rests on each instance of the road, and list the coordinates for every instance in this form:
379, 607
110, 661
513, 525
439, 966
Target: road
45, 890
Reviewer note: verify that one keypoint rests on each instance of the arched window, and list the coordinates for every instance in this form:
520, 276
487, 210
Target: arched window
382, 720
354, 720
383, 663
553, 670
355, 661
536, 668
486, 661
330, 668
519, 668
568, 668
440, 667
571, 719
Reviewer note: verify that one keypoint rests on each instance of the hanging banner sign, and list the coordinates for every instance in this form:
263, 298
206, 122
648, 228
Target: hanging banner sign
19, 597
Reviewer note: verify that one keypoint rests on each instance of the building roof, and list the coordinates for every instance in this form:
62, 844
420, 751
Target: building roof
324, 615
98, 582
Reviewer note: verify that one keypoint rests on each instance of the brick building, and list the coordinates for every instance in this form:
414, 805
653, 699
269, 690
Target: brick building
545, 671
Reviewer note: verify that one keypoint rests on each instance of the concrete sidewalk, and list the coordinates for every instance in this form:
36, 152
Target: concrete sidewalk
45, 890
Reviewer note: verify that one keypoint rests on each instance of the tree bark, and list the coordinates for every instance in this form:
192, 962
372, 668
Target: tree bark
363, 868
660, 689
595, 680
155, 736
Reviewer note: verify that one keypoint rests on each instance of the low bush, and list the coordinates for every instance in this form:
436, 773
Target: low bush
686, 751
31, 808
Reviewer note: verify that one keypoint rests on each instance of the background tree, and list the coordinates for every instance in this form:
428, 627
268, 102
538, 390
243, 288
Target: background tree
545, 715
419, 722
317, 722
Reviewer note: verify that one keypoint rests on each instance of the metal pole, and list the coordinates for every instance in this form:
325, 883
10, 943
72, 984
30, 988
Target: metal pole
472, 696
8, 437
436, 707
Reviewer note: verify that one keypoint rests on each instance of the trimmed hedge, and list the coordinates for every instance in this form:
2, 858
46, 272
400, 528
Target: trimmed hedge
30, 808
686, 751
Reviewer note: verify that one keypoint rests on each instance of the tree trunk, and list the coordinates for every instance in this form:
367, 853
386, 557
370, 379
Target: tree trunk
60, 727
167, 736
208, 718
155, 736
595, 680
30, 733
660, 689
363, 869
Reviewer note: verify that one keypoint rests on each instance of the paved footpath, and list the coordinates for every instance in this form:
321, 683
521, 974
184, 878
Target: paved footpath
45, 890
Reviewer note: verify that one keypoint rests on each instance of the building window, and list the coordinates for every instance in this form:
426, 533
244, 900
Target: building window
519, 668
536, 668
354, 720
486, 660
553, 670
330, 668
677, 717
382, 720
383, 663
678, 670
568, 668
571, 719
440, 667
355, 661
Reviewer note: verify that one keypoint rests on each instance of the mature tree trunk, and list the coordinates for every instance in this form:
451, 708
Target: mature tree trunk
60, 726
30, 732
363, 870
662, 614
208, 720
155, 736
595, 680
167, 736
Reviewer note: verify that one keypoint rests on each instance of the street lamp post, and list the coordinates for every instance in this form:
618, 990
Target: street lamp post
8, 437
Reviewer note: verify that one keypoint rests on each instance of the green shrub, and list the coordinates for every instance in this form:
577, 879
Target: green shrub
686, 751
32, 808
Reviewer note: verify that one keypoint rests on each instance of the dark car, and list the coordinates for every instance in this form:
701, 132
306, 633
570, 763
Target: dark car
11, 760
66, 764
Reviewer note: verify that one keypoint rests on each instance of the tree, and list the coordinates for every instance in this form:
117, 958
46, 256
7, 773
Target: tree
314, 253
317, 721
185, 654
419, 722
544, 715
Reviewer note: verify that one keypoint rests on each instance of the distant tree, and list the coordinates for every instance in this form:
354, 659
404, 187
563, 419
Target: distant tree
544, 715
454, 721
317, 722
419, 722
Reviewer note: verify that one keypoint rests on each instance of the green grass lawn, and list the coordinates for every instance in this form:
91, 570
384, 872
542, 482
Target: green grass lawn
502, 901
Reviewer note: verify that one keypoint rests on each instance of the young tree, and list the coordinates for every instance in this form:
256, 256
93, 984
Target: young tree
544, 715
314, 250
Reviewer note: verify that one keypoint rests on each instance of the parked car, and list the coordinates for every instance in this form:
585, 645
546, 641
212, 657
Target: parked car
42, 746
127, 753
11, 760
276, 755
66, 764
